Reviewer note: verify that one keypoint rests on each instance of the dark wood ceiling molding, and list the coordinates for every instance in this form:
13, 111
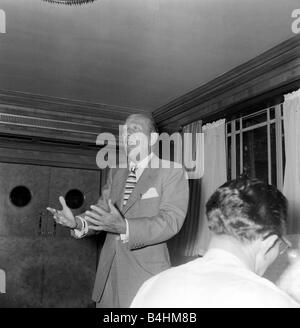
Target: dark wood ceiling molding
274, 69
56, 118
16, 150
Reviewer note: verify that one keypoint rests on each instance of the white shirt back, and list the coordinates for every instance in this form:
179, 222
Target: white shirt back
219, 279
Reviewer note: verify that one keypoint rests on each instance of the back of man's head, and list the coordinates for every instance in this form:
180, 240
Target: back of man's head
247, 209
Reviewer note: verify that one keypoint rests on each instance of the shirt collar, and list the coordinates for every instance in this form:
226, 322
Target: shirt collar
222, 255
142, 164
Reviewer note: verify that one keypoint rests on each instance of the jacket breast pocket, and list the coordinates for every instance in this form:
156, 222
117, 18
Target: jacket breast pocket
148, 206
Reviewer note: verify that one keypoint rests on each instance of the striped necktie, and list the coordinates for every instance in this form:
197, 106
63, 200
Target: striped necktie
130, 184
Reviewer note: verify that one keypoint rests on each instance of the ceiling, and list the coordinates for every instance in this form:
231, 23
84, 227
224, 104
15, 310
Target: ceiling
134, 53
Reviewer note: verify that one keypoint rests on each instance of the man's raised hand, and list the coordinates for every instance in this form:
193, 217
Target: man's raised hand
65, 216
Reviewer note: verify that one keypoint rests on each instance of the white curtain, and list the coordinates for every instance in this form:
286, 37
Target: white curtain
291, 186
215, 174
2, 281
194, 236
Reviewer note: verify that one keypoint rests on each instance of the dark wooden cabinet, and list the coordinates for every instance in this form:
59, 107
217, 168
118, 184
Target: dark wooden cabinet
44, 265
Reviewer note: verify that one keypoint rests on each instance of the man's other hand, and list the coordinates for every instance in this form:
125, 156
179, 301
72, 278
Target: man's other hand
101, 220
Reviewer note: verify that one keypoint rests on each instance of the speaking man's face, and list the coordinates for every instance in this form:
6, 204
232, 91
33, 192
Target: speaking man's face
136, 139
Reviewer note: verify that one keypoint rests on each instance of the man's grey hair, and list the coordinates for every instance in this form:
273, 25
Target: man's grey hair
148, 118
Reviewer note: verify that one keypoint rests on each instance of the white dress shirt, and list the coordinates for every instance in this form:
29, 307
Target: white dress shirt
217, 280
140, 166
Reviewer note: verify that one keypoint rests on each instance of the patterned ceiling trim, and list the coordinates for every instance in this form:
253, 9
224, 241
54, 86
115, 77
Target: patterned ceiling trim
70, 2
57, 125
56, 118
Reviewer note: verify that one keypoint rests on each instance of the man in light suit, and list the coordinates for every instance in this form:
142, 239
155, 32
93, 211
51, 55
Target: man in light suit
138, 217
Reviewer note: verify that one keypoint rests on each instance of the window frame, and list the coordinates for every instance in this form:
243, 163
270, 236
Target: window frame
235, 133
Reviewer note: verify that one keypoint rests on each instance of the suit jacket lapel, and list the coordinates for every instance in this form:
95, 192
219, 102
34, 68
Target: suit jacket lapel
141, 186
118, 186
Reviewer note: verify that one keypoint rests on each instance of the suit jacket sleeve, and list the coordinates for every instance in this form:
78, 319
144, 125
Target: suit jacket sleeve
145, 231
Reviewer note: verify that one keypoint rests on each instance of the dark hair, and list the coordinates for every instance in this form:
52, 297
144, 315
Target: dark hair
246, 209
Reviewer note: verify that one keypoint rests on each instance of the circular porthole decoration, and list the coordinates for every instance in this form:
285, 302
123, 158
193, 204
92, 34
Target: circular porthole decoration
74, 199
20, 196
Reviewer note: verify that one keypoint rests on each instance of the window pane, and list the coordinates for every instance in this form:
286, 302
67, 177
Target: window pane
272, 113
255, 119
228, 125
255, 153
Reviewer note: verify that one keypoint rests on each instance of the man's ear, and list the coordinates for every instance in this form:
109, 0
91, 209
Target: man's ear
154, 137
265, 256
268, 243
